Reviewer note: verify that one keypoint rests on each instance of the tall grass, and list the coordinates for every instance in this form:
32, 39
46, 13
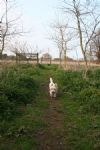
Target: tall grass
84, 91
17, 87
80, 98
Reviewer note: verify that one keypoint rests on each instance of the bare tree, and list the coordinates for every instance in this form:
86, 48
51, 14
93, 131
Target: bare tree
3, 30
95, 46
7, 26
85, 22
24, 51
61, 37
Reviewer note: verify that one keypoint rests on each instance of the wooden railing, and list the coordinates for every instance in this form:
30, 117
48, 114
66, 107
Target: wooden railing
27, 57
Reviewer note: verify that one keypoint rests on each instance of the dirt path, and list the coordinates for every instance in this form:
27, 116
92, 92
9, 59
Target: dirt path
53, 137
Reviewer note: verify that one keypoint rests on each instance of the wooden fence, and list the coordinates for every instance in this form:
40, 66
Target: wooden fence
27, 57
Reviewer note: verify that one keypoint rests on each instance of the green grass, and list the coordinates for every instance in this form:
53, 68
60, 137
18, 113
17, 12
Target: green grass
30, 122
80, 107
83, 130
20, 131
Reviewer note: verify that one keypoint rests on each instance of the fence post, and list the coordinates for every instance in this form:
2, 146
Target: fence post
37, 58
16, 58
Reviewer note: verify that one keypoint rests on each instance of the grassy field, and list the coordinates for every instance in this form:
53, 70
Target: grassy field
30, 120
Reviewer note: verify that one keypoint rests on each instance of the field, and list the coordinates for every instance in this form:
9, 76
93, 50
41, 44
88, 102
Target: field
69, 64
30, 120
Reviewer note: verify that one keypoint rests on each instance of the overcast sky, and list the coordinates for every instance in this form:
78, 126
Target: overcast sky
36, 17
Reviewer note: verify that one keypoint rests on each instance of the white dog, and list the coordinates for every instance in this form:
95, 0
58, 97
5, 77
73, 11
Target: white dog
53, 88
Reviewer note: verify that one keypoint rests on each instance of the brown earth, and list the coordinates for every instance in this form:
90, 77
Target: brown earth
54, 136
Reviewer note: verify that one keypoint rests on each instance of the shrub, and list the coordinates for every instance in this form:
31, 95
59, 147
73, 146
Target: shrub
27, 82
94, 74
7, 108
16, 87
90, 99
72, 81
22, 92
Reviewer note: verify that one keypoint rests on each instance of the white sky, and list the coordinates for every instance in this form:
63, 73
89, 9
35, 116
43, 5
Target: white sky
37, 15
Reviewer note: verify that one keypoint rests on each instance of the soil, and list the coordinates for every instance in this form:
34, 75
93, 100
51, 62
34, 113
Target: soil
53, 137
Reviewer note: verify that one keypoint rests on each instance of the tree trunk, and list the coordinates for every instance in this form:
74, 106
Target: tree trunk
0, 55
86, 66
60, 58
65, 59
81, 45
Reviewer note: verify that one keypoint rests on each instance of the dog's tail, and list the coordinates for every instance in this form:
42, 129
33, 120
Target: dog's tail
51, 80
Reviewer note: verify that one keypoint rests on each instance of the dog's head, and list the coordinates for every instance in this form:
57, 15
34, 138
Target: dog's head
53, 88
54, 94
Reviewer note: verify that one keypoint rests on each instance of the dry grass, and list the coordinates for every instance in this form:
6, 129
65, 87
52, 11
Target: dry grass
70, 65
